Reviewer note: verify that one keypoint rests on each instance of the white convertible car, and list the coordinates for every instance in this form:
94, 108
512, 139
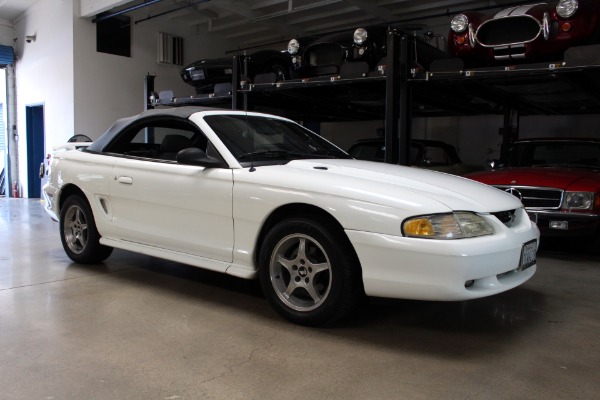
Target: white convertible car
259, 196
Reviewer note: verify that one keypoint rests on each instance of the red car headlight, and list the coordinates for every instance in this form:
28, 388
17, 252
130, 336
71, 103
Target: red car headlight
567, 8
459, 23
579, 200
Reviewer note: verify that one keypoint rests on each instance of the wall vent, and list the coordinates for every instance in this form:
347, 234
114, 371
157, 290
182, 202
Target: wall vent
170, 49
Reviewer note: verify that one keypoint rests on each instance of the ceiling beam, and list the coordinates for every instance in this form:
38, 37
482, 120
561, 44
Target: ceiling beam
372, 9
249, 15
91, 8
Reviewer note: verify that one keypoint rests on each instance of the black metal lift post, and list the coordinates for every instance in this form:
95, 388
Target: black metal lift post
398, 119
510, 130
235, 83
148, 91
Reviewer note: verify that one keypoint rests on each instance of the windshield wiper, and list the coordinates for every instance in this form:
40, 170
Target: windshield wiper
330, 154
274, 154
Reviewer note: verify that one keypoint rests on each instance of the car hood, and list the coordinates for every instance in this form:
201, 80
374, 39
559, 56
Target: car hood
562, 178
390, 185
530, 9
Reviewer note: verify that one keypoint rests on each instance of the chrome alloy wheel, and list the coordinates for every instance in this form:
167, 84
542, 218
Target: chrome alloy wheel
300, 272
76, 229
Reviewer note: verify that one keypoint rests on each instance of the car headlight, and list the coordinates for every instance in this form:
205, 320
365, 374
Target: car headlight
459, 23
360, 36
293, 46
579, 200
567, 8
457, 225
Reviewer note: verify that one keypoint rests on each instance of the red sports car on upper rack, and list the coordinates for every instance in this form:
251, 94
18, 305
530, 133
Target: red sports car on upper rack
535, 32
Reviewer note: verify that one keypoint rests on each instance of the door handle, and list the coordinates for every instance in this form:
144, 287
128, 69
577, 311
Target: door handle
126, 180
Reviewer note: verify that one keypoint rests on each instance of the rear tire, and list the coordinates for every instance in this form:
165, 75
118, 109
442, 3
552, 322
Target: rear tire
309, 273
78, 232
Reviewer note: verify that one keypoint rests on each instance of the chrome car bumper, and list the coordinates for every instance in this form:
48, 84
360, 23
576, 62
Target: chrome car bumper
556, 223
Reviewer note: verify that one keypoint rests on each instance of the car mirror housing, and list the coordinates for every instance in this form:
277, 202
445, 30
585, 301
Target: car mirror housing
196, 156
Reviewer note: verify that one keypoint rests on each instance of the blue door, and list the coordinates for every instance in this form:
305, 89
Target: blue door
35, 148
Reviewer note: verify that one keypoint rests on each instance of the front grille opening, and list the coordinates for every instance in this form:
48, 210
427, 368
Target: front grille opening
505, 217
505, 31
533, 197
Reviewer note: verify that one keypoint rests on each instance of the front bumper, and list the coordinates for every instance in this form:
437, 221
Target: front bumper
443, 270
566, 224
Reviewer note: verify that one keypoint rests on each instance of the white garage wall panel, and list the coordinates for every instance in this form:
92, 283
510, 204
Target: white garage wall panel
44, 72
7, 32
108, 87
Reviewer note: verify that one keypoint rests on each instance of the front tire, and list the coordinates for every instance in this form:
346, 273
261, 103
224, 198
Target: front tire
309, 273
78, 232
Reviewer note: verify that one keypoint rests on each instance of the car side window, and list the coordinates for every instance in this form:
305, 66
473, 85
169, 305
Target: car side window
158, 139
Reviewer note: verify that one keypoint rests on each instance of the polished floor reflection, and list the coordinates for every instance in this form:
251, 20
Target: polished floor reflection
137, 327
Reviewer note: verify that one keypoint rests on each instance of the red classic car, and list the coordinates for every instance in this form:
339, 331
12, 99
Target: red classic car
535, 32
558, 181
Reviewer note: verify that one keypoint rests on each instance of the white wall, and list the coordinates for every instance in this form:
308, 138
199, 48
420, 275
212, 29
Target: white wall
2, 132
7, 32
108, 87
44, 71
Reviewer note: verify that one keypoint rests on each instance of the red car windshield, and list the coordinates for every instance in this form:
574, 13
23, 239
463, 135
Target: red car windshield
555, 154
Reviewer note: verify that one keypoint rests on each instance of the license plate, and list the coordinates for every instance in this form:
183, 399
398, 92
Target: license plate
528, 255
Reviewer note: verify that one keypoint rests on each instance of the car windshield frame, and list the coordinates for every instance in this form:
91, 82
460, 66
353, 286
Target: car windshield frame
259, 140
570, 154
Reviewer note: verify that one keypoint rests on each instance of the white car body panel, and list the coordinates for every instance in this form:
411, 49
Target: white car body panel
182, 208
212, 218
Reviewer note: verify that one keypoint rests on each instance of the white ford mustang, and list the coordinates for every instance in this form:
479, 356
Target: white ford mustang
256, 195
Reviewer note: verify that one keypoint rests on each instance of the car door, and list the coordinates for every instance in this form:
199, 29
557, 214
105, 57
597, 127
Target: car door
160, 203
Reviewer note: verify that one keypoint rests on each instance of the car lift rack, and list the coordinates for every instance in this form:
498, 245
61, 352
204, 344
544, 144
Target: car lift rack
400, 89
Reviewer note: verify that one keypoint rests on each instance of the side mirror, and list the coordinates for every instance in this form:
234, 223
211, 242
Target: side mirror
195, 156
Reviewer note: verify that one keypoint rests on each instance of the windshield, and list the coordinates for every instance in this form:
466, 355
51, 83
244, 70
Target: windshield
253, 138
555, 154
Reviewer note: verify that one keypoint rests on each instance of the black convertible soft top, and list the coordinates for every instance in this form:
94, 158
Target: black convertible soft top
177, 112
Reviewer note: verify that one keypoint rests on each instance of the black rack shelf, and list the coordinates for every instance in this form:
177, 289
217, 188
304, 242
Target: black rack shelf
399, 91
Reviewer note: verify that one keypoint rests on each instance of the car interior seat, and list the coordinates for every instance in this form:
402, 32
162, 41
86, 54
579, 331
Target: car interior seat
173, 144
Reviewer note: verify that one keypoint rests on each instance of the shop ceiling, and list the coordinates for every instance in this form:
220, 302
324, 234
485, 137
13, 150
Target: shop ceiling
256, 22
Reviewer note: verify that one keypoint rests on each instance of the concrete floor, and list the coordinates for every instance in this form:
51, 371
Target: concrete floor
138, 327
